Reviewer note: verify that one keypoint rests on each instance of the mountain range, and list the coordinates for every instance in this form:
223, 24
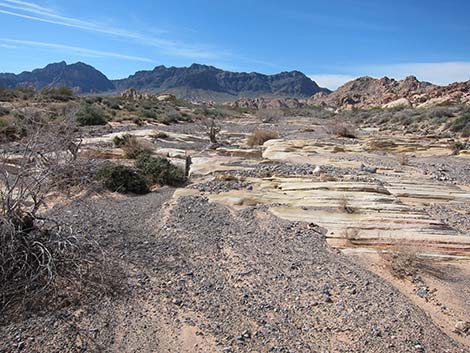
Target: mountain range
203, 83
196, 81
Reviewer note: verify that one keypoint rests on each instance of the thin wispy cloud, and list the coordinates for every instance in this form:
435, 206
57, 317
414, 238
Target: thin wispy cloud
68, 48
34, 12
29, 4
8, 46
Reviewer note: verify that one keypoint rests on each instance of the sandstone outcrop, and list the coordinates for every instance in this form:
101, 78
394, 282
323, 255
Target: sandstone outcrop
368, 92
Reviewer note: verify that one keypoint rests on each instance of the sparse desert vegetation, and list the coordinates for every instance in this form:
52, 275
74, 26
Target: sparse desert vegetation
260, 136
104, 228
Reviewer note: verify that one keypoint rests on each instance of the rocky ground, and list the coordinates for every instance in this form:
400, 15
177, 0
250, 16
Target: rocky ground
241, 259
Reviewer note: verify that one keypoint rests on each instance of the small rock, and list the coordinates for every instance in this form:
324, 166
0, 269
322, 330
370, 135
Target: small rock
177, 301
423, 292
317, 170
367, 169
462, 326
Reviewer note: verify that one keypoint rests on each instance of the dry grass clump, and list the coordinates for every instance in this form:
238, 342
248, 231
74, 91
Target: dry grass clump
380, 144
269, 115
40, 254
131, 146
341, 129
260, 136
459, 146
227, 177
403, 159
344, 205
160, 135
351, 235
407, 262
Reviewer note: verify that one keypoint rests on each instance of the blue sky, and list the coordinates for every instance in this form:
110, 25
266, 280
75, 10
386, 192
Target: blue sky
331, 41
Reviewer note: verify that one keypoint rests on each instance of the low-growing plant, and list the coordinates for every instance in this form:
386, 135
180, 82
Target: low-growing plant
4, 111
403, 159
462, 125
149, 114
459, 146
407, 262
169, 117
260, 136
344, 205
121, 140
160, 135
123, 179
269, 115
10, 131
41, 255
159, 170
89, 115
341, 129
58, 93
131, 146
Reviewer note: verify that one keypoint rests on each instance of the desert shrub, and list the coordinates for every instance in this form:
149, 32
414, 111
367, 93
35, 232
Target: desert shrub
4, 111
211, 127
76, 175
159, 170
40, 255
160, 135
169, 117
462, 125
403, 159
58, 93
380, 144
10, 131
7, 94
440, 113
260, 136
93, 99
341, 129
138, 121
406, 262
344, 205
121, 140
131, 145
89, 115
123, 179
269, 115
148, 114
459, 146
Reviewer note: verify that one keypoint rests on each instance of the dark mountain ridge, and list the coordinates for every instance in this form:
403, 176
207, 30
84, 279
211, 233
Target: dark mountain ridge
201, 81
209, 78
81, 77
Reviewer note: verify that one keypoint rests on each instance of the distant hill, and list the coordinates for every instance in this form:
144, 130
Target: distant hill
198, 82
81, 77
368, 92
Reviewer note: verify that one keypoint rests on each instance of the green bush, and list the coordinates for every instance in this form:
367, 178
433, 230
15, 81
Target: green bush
121, 140
131, 146
169, 117
148, 114
89, 115
459, 146
462, 124
159, 170
58, 93
4, 111
119, 178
